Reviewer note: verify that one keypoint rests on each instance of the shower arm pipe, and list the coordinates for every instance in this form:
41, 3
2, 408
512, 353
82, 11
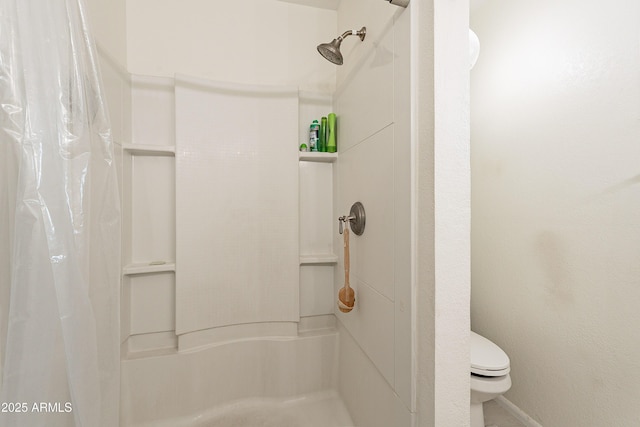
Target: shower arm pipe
360, 33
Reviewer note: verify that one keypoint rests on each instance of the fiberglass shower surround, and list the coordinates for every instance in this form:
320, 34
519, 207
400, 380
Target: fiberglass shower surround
59, 286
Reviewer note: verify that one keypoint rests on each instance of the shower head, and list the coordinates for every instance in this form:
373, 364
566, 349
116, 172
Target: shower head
331, 51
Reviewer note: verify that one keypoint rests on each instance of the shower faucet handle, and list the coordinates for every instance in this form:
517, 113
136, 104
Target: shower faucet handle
343, 220
340, 222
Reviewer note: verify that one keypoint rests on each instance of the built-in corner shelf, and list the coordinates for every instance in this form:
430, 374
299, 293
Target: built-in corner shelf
149, 267
316, 259
311, 156
150, 150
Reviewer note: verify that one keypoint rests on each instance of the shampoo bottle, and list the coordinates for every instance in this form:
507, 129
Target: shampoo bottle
322, 141
332, 145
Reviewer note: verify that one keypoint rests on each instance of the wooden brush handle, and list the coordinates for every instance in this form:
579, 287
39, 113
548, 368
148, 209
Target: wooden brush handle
346, 257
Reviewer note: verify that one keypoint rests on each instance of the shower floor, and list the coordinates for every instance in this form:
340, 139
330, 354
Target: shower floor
324, 409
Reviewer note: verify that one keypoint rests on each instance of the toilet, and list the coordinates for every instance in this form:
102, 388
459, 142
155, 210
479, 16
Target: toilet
489, 375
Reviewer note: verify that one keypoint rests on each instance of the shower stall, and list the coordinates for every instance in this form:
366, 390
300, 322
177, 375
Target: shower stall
232, 255
231, 258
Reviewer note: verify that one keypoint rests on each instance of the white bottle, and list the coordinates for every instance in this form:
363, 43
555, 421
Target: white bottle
314, 132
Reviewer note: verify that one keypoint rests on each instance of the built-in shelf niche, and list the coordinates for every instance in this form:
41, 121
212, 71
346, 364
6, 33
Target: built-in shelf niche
151, 267
150, 150
317, 257
148, 307
315, 156
150, 206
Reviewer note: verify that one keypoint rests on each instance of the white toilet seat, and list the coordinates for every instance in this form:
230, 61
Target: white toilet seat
487, 359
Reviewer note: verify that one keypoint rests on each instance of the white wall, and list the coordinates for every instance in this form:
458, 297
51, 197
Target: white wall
373, 167
555, 131
108, 23
403, 143
253, 41
440, 85
236, 205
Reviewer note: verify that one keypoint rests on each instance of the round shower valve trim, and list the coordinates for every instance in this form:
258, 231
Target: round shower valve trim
357, 219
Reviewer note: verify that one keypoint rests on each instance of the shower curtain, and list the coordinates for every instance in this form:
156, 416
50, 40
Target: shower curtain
59, 223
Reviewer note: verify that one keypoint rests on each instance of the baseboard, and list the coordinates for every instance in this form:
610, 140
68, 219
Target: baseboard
518, 413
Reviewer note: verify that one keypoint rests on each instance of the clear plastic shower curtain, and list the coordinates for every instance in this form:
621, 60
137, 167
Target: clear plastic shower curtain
59, 223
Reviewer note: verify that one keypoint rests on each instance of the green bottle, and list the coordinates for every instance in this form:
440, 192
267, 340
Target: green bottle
322, 141
332, 145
